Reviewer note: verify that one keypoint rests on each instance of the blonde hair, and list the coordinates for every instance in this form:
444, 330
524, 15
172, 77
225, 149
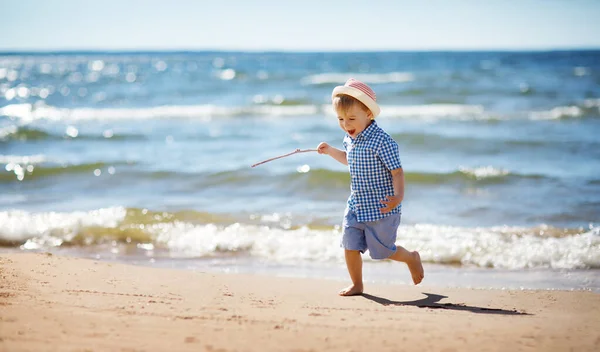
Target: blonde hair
345, 102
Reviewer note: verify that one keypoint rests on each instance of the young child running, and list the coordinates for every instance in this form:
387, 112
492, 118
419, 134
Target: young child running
372, 214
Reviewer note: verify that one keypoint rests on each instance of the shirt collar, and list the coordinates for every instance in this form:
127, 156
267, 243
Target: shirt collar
367, 131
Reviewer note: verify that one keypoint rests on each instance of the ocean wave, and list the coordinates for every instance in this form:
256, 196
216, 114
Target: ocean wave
29, 168
481, 175
506, 247
29, 112
461, 112
587, 108
560, 112
92, 227
491, 145
435, 141
591, 103
369, 78
191, 234
22, 133
54, 228
310, 179
28, 133
25, 168
483, 172
434, 111
23, 159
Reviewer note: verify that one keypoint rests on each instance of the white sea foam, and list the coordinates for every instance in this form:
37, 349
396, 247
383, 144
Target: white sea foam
504, 247
52, 228
269, 243
7, 131
497, 247
23, 159
29, 112
20, 165
510, 248
32, 112
429, 112
558, 113
592, 103
483, 172
369, 78
460, 111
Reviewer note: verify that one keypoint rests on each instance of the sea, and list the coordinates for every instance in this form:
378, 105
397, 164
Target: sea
145, 158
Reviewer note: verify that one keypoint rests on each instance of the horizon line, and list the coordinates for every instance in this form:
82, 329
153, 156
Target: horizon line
12, 51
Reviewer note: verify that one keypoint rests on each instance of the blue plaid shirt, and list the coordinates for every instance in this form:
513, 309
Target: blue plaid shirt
371, 156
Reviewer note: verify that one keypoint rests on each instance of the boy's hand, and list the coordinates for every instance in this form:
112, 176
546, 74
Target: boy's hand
390, 203
323, 148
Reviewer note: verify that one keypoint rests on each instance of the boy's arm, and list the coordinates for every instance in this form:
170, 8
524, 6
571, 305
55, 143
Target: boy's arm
337, 154
392, 202
398, 182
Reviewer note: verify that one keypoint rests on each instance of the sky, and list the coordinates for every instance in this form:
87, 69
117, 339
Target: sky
304, 25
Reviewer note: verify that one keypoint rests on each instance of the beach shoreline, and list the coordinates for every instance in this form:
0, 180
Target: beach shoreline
51, 302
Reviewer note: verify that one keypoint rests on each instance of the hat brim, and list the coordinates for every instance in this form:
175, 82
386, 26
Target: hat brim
358, 95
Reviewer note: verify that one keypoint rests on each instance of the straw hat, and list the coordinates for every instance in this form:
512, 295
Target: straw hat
360, 92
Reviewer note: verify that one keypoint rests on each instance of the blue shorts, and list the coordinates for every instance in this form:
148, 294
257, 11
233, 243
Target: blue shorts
379, 237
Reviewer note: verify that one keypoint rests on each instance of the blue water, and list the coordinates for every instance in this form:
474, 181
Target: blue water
127, 154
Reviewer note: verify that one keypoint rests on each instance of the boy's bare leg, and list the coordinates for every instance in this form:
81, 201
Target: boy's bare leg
413, 260
354, 265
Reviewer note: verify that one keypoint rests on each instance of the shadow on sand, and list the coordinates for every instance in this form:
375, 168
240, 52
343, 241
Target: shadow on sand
431, 301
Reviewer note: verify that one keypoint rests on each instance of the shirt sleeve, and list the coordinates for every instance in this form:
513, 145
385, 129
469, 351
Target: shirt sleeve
389, 154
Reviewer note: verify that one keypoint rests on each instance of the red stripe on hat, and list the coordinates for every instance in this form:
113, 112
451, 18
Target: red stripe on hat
362, 87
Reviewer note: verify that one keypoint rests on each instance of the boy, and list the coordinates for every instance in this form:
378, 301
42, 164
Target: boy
377, 179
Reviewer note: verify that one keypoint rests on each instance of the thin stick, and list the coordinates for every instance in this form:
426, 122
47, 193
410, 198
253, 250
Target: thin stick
288, 154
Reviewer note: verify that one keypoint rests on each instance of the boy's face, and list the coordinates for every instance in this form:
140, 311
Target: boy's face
354, 120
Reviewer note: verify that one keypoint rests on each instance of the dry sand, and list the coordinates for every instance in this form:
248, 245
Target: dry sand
51, 303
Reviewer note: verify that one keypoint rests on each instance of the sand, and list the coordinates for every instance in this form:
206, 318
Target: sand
53, 303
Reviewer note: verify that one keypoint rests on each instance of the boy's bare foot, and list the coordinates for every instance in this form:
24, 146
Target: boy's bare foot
351, 290
416, 268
